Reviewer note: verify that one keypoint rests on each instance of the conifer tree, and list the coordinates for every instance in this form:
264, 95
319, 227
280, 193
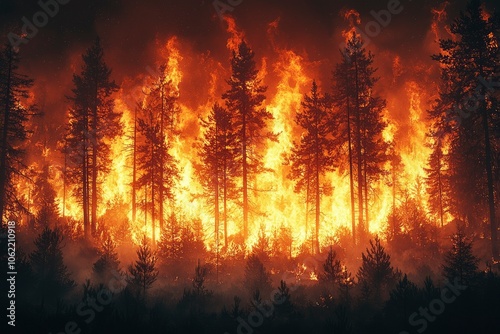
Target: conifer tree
466, 113
14, 88
312, 157
143, 272
108, 265
218, 167
93, 122
360, 123
332, 269
376, 271
244, 101
437, 183
52, 279
460, 262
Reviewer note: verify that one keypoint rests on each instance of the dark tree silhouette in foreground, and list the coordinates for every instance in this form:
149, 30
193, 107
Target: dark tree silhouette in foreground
459, 262
376, 272
107, 266
13, 117
257, 278
143, 273
51, 275
332, 269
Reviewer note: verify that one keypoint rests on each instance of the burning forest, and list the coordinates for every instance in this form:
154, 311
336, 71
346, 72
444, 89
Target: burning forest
250, 166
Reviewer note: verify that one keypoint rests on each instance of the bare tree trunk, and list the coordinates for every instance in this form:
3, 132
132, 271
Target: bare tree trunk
225, 202
94, 161
358, 152
440, 188
489, 173
153, 193
134, 170
351, 181
162, 150
317, 185
245, 176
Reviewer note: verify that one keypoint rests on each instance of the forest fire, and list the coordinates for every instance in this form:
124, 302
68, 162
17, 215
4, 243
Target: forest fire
295, 150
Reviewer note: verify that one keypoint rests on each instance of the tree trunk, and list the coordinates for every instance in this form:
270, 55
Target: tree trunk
162, 151
317, 185
351, 181
489, 173
94, 161
225, 202
359, 153
245, 171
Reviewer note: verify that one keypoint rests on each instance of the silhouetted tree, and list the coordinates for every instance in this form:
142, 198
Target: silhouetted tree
256, 276
244, 100
44, 197
14, 89
284, 307
52, 279
108, 265
93, 122
312, 157
157, 167
281, 242
376, 272
466, 113
332, 269
437, 183
199, 280
143, 273
459, 262
218, 167
403, 299
261, 247
361, 111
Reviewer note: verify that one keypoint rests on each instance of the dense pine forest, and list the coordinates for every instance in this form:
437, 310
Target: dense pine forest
237, 167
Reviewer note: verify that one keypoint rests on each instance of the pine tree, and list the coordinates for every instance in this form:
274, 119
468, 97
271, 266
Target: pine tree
44, 197
93, 122
108, 265
170, 247
143, 273
360, 122
261, 247
376, 271
244, 100
218, 167
332, 269
466, 112
52, 279
403, 298
200, 275
158, 168
257, 278
460, 262
161, 101
312, 158
13, 118
437, 182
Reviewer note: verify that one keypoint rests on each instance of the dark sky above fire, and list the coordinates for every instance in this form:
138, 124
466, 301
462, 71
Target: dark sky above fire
130, 31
